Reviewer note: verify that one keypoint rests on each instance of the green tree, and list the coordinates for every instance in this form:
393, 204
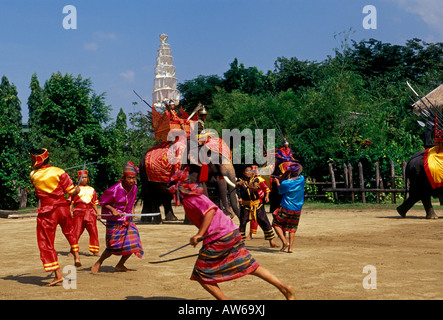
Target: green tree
294, 74
199, 90
35, 103
246, 80
14, 176
68, 122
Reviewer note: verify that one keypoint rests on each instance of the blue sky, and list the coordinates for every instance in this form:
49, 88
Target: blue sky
115, 43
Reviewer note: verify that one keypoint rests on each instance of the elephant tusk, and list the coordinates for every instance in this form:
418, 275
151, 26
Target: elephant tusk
228, 181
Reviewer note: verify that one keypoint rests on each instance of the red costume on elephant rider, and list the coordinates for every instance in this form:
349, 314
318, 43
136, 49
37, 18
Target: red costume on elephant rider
284, 154
173, 116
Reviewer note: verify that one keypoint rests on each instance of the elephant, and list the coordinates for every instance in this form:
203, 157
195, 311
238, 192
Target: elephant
155, 170
419, 187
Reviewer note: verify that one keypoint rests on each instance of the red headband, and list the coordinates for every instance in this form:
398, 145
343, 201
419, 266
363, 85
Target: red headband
38, 159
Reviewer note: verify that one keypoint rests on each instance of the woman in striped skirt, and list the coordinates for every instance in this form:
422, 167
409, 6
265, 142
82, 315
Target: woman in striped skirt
223, 255
287, 217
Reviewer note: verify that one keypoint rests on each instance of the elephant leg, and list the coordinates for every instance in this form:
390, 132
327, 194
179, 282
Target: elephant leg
151, 206
408, 204
169, 212
151, 202
430, 213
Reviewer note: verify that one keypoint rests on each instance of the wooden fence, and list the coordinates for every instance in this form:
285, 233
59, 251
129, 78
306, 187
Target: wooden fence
379, 186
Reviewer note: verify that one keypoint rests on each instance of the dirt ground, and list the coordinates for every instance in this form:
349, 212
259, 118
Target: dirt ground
332, 247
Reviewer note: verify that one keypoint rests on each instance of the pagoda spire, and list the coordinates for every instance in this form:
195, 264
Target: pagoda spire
165, 82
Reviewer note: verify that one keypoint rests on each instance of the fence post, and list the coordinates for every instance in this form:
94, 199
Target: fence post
345, 171
393, 181
351, 181
362, 182
334, 185
377, 181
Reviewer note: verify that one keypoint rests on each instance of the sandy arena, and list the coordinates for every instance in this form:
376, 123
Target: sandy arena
331, 249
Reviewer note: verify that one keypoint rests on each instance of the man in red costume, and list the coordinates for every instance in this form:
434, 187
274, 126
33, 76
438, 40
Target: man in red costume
284, 154
84, 211
51, 184
173, 116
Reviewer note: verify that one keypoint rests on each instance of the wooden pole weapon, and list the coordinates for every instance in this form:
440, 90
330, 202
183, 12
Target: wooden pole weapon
142, 99
133, 214
81, 165
183, 246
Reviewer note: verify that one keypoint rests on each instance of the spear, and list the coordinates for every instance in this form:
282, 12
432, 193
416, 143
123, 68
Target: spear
433, 106
142, 99
278, 127
174, 259
133, 214
434, 111
80, 165
183, 246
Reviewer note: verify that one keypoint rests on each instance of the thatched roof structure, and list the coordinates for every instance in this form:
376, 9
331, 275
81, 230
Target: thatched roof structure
435, 97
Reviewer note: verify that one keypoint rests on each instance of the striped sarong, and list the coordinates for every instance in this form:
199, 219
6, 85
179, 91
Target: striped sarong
223, 259
122, 238
286, 219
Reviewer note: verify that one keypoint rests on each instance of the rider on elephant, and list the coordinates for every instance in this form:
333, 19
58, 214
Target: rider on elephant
172, 115
284, 154
203, 115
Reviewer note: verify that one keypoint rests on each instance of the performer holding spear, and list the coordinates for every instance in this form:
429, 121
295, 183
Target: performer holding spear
223, 255
122, 237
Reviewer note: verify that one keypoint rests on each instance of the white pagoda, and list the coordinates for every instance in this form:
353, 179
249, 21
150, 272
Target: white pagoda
165, 82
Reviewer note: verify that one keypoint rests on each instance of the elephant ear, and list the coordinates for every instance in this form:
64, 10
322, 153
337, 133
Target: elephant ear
217, 144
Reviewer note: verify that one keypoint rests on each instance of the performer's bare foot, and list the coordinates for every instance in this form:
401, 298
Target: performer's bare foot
96, 254
54, 282
289, 293
273, 244
285, 246
58, 278
77, 262
248, 237
121, 269
95, 267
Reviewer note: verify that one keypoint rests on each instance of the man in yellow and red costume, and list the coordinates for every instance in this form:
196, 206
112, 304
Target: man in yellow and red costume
85, 212
51, 184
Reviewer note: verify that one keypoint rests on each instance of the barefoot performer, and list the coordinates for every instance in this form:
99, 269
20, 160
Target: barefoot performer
122, 237
84, 211
223, 255
291, 185
51, 184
